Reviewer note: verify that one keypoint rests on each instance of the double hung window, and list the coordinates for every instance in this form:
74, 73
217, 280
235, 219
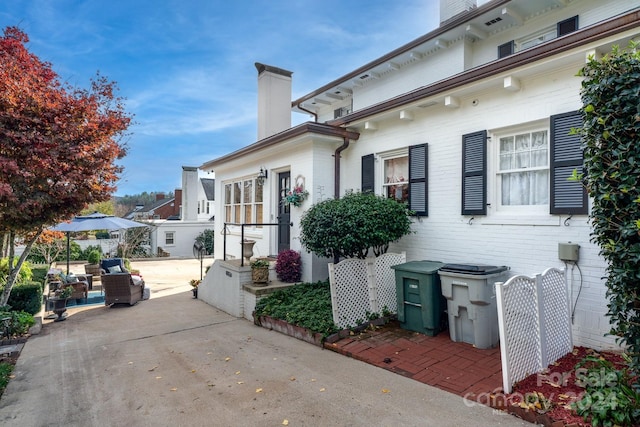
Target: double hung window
523, 168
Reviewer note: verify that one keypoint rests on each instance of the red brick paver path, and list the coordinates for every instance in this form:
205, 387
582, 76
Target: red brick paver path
456, 367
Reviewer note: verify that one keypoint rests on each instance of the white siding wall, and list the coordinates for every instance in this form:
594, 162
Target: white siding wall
184, 232
525, 243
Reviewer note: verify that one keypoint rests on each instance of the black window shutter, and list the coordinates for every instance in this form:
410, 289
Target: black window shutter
506, 49
567, 197
419, 179
474, 173
368, 174
567, 26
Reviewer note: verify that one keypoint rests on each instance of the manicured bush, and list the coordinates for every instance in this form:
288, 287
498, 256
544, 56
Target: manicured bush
207, 238
351, 226
26, 297
39, 274
289, 266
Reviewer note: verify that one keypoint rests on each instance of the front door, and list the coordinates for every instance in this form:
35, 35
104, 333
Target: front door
284, 215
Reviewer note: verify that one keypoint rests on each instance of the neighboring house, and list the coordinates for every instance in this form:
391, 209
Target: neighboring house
175, 234
163, 208
469, 124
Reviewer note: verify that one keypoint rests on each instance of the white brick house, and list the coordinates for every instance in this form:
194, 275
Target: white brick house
468, 123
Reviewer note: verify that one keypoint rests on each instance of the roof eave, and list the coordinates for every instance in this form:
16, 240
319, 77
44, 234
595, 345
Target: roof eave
308, 127
570, 41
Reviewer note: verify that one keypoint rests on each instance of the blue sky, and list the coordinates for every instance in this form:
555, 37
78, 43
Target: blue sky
186, 66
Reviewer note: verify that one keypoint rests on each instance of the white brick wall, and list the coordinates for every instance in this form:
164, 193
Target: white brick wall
526, 243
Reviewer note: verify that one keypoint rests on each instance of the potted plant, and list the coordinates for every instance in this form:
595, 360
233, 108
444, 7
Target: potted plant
296, 196
194, 286
260, 271
93, 266
59, 301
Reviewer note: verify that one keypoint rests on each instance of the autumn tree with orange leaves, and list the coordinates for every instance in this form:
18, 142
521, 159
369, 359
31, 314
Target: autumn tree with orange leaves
58, 146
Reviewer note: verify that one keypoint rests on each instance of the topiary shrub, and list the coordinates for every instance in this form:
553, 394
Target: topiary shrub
289, 266
610, 93
349, 227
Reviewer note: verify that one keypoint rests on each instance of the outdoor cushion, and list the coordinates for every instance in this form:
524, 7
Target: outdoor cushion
115, 269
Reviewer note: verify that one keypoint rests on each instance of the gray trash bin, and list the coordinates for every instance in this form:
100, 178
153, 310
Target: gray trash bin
471, 302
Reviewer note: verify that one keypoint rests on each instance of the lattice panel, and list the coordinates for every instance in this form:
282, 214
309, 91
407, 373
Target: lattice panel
535, 325
385, 282
521, 329
349, 291
556, 316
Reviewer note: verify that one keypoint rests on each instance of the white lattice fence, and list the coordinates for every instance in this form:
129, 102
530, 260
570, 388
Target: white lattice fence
359, 286
534, 322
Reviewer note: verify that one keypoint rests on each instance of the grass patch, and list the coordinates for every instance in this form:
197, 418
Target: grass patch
307, 305
5, 374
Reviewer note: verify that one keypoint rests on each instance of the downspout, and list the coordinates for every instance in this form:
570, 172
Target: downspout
315, 115
336, 184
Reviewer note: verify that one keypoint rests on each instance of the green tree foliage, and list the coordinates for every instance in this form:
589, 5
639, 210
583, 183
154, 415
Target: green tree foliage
349, 227
611, 131
207, 238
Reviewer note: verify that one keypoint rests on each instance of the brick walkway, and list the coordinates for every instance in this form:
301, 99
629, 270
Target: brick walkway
456, 367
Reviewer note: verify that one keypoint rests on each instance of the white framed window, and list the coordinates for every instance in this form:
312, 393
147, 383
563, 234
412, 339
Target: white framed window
522, 170
243, 202
169, 238
395, 175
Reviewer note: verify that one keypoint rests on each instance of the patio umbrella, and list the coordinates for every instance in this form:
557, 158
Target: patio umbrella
95, 221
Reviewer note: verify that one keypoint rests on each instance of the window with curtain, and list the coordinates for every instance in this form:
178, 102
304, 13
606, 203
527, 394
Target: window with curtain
524, 169
396, 178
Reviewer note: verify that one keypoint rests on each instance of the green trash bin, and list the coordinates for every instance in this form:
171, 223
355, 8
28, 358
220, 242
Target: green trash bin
420, 301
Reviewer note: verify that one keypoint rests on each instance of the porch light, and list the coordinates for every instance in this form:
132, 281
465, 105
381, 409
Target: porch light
262, 176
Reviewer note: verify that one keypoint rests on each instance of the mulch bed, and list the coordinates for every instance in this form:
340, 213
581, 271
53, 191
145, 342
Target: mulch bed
558, 385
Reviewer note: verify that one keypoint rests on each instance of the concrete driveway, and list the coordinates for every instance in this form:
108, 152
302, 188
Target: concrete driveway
174, 360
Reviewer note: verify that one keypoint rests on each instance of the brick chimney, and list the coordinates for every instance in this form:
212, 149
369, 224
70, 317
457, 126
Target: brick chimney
274, 100
177, 201
159, 196
450, 9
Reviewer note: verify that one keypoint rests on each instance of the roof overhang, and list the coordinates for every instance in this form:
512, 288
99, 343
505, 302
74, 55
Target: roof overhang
310, 128
599, 32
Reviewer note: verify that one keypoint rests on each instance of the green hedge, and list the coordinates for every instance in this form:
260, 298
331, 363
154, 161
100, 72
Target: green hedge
39, 274
26, 297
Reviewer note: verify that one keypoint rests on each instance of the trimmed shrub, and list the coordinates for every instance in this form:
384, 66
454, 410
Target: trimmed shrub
26, 297
93, 257
289, 266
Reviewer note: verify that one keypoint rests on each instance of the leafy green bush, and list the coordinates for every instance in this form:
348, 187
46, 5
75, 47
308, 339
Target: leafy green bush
39, 274
609, 399
26, 297
20, 321
93, 257
350, 226
5, 374
24, 275
307, 305
612, 165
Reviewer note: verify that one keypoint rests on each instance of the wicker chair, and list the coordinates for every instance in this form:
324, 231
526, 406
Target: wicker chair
120, 289
80, 290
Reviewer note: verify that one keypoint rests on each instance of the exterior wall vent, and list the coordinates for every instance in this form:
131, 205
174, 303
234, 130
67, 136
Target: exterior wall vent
340, 112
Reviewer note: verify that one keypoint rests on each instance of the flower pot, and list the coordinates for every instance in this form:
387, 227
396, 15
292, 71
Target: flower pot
59, 306
92, 269
247, 249
260, 274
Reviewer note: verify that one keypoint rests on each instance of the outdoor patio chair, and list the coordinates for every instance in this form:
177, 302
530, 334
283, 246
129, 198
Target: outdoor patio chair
80, 287
112, 265
119, 288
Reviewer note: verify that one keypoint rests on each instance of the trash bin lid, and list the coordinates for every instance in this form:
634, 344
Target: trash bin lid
476, 269
419, 266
